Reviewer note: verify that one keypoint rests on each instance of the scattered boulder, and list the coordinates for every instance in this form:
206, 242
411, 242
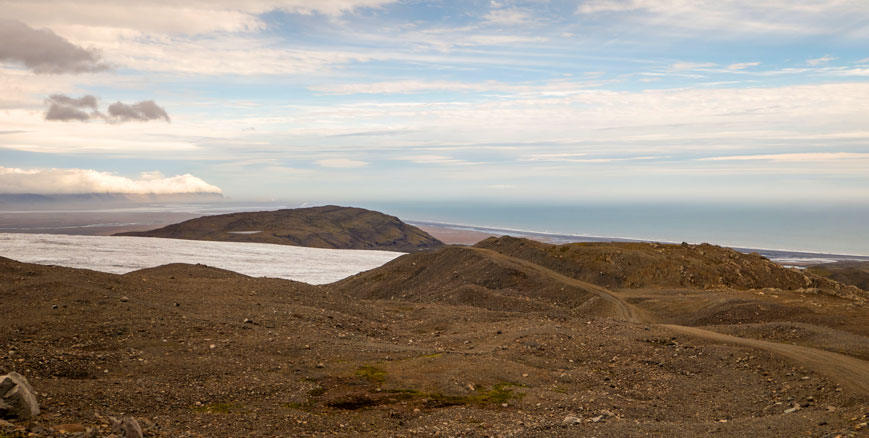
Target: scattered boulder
571, 420
16, 397
126, 427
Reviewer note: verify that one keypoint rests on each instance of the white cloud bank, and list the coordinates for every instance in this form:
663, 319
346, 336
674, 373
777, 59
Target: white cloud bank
86, 181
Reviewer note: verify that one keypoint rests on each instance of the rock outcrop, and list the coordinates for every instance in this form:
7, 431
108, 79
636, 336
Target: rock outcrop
17, 399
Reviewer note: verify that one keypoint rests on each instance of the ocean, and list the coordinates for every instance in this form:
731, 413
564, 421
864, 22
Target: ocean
838, 229
826, 233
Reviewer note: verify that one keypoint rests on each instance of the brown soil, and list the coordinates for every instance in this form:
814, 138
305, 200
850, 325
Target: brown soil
452, 236
453, 342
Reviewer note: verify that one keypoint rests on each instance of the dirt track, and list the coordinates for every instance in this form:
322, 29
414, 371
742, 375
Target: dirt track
851, 372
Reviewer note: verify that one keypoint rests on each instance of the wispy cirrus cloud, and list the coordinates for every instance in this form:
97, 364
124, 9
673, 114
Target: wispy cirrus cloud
341, 163
820, 61
799, 157
193, 17
738, 17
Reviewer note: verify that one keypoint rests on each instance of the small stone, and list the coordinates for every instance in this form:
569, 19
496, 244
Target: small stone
320, 365
504, 405
54, 307
793, 409
831, 409
596, 419
212, 346
124, 299
570, 420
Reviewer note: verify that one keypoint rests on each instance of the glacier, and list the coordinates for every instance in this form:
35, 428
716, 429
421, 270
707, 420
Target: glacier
120, 254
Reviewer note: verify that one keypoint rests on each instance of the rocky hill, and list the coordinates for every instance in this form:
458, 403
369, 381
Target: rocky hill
318, 227
642, 265
471, 277
853, 273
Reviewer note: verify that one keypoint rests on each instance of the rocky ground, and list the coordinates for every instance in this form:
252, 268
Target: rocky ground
453, 342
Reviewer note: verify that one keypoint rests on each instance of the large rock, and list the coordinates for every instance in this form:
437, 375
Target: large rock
127, 427
16, 397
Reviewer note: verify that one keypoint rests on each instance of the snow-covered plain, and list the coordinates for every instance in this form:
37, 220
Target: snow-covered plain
117, 254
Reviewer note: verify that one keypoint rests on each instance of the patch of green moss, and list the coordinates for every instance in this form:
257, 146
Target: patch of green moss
431, 356
371, 373
302, 406
217, 408
316, 392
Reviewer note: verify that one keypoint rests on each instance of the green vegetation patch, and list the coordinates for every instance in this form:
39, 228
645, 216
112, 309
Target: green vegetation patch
371, 373
431, 356
498, 394
217, 408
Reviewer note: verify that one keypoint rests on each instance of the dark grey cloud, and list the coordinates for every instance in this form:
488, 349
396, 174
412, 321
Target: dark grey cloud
65, 108
44, 51
142, 111
86, 101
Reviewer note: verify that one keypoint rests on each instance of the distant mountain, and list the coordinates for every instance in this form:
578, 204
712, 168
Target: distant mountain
318, 227
31, 199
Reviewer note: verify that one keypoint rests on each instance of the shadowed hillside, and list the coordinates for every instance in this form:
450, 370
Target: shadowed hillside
853, 273
317, 227
473, 277
639, 265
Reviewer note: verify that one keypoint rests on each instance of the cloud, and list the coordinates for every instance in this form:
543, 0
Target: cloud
818, 61
742, 65
65, 108
341, 163
43, 51
142, 112
692, 65
192, 17
738, 17
84, 181
809, 156
435, 159
507, 16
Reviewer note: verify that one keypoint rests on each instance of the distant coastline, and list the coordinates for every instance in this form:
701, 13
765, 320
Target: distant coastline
785, 257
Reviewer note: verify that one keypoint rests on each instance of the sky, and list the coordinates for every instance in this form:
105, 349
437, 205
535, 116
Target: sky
508, 101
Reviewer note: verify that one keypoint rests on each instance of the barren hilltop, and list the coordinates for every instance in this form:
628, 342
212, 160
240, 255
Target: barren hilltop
330, 226
508, 338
